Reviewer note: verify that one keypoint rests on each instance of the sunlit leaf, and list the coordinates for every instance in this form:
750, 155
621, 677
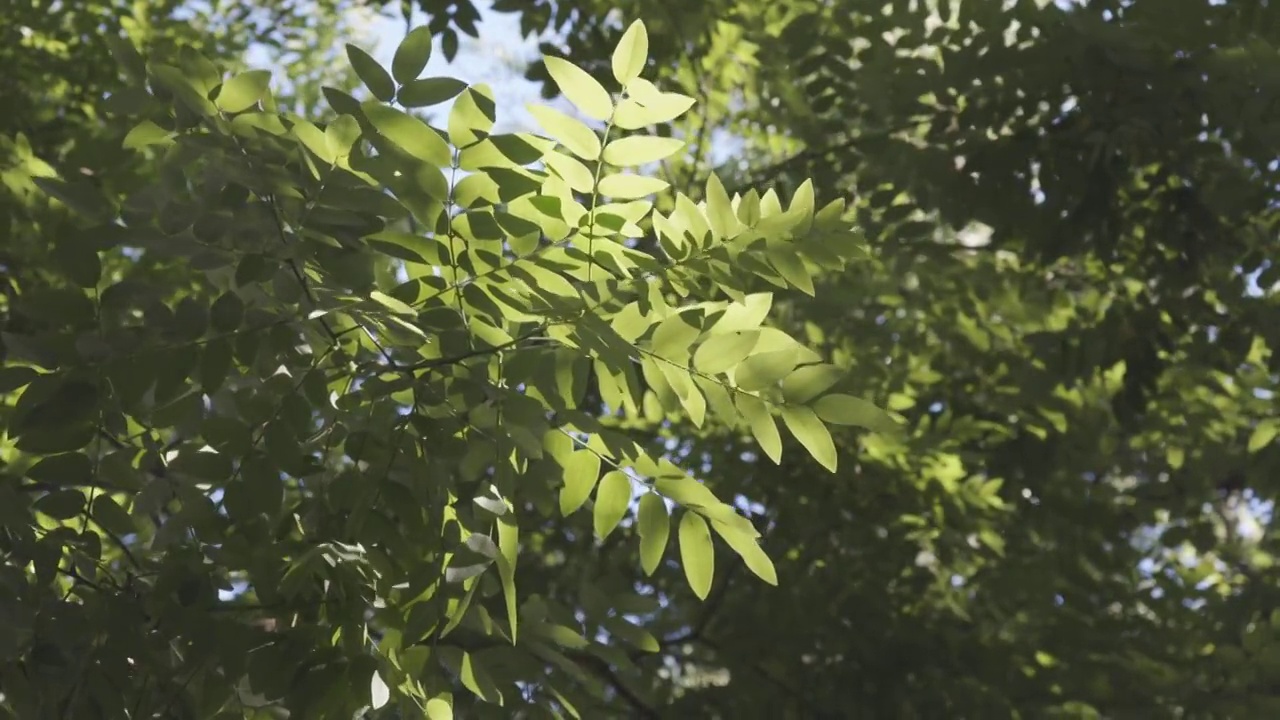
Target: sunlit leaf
696, 553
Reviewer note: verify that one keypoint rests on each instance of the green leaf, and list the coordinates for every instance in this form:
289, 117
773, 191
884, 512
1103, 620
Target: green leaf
631, 634
1263, 434
439, 709
720, 214
722, 352
631, 54
412, 55
146, 133
612, 499
674, 337
108, 513
763, 427
243, 91
472, 116
653, 109
654, 526
581, 471
392, 304
62, 504
342, 134
509, 549
764, 370
749, 550
429, 91
373, 75
409, 134
586, 94
641, 150
812, 434
227, 312
578, 138
840, 409
697, 554
810, 381
787, 262
622, 186
65, 469
571, 170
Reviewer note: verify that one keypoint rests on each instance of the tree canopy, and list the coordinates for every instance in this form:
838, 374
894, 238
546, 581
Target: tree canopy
907, 359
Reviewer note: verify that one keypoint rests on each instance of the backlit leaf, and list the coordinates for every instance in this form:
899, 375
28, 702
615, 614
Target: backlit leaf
243, 91
639, 150
629, 56
586, 94
409, 134
839, 409
654, 527
763, 426
412, 55
812, 434
578, 138
696, 553
612, 499
581, 472
749, 550
373, 75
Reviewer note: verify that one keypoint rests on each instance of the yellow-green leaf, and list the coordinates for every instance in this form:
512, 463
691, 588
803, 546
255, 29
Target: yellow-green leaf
373, 75
749, 550
839, 409
640, 150
696, 553
631, 54
765, 369
577, 137
763, 426
654, 526
612, 498
581, 471
146, 133
809, 381
1263, 434
341, 134
720, 214
243, 91
571, 170
392, 304
583, 91
412, 55
509, 549
723, 351
409, 134
439, 709
633, 114
812, 434
472, 116
629, 187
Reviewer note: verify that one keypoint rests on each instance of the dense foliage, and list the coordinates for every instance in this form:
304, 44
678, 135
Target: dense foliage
287, 382
285, 450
